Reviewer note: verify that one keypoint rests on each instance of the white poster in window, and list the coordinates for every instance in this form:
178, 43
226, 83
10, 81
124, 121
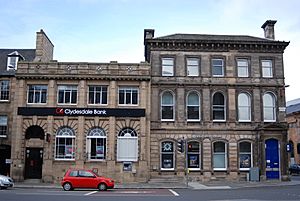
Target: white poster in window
100, 151
69, 150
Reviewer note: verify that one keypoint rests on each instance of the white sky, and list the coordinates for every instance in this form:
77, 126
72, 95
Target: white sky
112, 30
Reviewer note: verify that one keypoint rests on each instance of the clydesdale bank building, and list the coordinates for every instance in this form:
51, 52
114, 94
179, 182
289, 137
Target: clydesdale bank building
223, 96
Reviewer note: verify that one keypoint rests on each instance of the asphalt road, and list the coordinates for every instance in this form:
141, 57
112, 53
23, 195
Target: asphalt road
291, 193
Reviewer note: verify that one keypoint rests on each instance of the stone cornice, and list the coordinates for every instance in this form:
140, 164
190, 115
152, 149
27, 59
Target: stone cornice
217, 46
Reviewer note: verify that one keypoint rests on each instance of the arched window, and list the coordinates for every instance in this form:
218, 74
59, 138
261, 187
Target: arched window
218, 107
65, 143
269, 107
193, 155
127, 145
219, 156
96, 144
245, 155
244, 104
167, 155
167, 106
193, 107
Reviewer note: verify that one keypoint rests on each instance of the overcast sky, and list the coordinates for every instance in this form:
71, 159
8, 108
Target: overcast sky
112, 30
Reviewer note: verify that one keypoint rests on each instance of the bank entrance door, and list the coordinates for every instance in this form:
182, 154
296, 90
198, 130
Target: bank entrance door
33, 163
272, 159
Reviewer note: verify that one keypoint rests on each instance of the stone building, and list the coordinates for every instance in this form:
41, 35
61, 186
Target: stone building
9, 59
293, 120
84, 115
224, 95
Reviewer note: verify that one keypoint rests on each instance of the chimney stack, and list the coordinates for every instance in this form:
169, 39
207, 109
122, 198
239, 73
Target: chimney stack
44, 47
268, 27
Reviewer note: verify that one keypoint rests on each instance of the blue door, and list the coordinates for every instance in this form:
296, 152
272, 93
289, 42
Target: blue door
272, 159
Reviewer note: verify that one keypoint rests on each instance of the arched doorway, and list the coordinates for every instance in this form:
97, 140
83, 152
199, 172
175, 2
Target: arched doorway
272, 159
34, 156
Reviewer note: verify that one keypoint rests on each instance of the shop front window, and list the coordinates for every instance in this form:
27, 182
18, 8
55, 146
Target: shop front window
193, 155
219, 156
65, 143
245, 155
167, 155
96, 144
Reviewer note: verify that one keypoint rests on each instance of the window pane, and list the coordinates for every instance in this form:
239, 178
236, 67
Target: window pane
217, 67
167, 147
219, 147
167, 112
193, 161
218, 70
245, 160
167, 161
4, 90
218, 99
267, 68
242, 67
193, 99
167, 98
219, 161
193, 112
245, 147
193, 67
167, 67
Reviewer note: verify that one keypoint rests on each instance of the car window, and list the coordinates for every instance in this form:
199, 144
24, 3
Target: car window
73, 174
85, 174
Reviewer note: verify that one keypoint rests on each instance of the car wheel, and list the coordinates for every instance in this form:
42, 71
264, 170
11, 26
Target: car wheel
102, 187
67, 186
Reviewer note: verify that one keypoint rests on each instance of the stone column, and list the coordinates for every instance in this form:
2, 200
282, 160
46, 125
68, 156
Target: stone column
207, 159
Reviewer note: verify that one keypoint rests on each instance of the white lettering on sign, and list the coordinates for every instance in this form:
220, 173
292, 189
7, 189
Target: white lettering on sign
84, 112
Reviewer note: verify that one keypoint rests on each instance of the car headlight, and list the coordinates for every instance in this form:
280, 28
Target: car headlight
4, 179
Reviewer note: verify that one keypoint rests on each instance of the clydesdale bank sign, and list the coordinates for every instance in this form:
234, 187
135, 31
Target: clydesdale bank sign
63, 111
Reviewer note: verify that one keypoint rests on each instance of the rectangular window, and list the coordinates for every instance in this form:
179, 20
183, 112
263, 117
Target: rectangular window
65, 148
12, 62
192, 66
97, 148
242, 67
97, 95
128, 95
219, 156
67, 95
267, 68
193, 156
245, 157
37, 94
127, 149
167, 67
4, 90
167, 155
3, 126
217, 67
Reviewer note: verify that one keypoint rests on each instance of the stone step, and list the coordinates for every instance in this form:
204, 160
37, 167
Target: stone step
32, 181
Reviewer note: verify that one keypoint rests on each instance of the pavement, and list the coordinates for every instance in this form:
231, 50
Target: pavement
176, 185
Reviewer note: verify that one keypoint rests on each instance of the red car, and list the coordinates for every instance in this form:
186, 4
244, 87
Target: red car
75, 178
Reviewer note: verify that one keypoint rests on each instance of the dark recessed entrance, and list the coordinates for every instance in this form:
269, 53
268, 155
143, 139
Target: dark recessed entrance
34, 156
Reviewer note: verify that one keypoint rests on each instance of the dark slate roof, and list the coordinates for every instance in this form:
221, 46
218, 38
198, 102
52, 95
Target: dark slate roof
293, 108
27, 54
205, 37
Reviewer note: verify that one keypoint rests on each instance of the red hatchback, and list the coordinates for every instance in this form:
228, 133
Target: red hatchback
75, 178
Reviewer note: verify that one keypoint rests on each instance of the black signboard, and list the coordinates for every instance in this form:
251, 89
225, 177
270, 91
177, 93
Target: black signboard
64, 111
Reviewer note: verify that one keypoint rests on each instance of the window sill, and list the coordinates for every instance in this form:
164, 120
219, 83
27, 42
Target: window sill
64, 159
167, 169
220, 169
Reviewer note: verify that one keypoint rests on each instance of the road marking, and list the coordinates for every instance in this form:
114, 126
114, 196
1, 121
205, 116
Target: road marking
173, 192
90, 193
